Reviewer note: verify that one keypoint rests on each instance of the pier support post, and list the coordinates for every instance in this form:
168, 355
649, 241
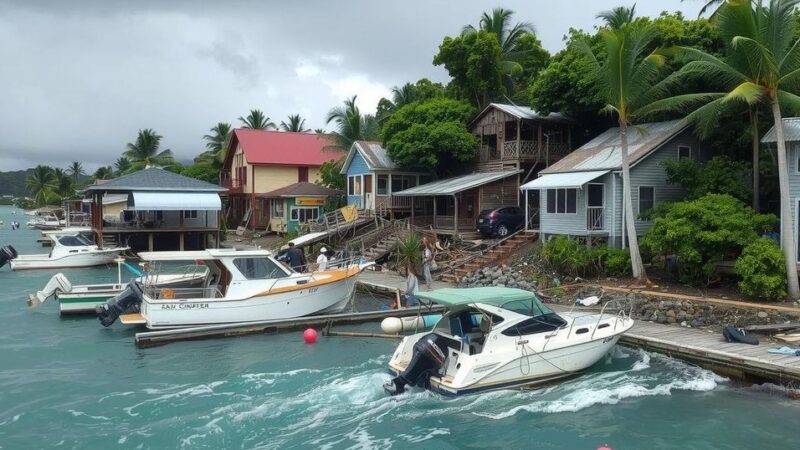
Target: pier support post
150, 242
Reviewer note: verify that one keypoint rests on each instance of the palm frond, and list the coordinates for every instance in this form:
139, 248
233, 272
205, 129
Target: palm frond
748, 92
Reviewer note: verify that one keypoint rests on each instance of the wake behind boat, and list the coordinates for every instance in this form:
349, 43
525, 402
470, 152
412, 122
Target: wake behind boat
240, 286
498, 338
71, 248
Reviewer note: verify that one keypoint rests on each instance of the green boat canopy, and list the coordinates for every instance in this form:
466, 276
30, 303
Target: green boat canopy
495, 296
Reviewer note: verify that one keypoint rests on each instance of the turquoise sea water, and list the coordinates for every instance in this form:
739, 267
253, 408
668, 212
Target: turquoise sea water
70, 383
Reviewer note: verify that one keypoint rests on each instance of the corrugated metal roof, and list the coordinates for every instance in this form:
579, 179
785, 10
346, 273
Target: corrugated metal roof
375, 155
301, 189
452, 186
563, 180
791, 131
155, 179
603, 152
283, 147
523, 112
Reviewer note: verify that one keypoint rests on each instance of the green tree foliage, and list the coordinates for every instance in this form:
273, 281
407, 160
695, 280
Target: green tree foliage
617, 17
351, 124
76, 171
145, 151
103, 173
64, 186
41, 183
257, 120
571, 257
423, 89
720, 175
702, 232
123, 166
330, 175
762, 271
201, 171
295, 123
430, 133
475, 63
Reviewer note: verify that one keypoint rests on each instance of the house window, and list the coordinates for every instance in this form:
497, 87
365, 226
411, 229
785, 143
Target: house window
562, 201
354, 185
277, 209
303, 214
383, 184
684, 152
402, 182
302, 174
190, 214
647, 198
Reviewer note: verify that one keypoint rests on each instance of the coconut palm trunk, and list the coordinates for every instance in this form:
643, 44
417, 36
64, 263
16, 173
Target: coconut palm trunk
787, 233
627, 204
756, 154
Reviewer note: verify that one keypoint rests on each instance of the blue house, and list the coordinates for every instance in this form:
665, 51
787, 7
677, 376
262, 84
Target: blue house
581, 194
372, 178
791, 133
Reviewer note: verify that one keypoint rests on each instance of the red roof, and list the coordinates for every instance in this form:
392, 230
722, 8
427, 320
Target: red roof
283, 147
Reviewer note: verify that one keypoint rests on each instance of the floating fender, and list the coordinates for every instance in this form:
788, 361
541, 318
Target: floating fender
733, 334
397, 325
7, 253
126, 301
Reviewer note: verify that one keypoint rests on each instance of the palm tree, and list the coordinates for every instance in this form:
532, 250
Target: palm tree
296, 124
76, 170
219, 138
145, 151
499, 23
320, 131
63, 183
41, 184
762, 69
103, 173
256, 120
351, 125
123, 165
627, 81
619, 16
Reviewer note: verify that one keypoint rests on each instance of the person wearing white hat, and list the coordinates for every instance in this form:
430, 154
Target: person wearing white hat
322, 259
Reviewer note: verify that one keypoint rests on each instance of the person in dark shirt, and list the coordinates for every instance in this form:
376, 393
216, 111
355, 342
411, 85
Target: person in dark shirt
296, 258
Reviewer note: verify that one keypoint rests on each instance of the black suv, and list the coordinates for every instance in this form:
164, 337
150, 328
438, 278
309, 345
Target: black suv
500, 222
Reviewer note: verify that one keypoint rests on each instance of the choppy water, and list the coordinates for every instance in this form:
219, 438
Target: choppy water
69, 383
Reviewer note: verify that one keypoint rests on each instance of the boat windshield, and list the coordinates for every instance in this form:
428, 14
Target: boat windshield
77, 240
259, 268
532, 307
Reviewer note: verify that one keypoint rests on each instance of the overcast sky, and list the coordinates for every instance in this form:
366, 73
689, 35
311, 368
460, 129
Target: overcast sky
78, 78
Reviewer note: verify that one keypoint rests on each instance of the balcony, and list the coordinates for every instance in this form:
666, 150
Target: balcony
233, 186
595, 218
524, 151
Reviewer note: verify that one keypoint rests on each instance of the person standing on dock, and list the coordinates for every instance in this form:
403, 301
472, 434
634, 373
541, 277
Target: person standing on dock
322, 259
412, 286
296, 258
427, 258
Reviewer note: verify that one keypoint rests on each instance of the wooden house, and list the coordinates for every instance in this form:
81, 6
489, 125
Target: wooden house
296, 205
581, 195
791, 133
259, 162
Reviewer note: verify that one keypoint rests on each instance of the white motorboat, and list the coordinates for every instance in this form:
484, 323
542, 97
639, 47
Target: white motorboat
71, 248
241, 286
50, 222
85, 298
499, 338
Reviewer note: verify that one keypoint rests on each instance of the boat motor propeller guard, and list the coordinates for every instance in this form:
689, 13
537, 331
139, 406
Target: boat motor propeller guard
426, 359
126, 301
7, 253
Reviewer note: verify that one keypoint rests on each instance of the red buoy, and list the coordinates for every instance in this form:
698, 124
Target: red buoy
310, 336
604, 447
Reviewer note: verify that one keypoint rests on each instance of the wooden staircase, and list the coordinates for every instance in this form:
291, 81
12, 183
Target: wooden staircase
379, 242
491, 257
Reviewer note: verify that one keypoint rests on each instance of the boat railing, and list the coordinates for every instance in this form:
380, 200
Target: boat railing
624, 308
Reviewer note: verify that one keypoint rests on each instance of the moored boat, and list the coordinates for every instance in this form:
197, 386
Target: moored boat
71, 248
240, 286
499, 338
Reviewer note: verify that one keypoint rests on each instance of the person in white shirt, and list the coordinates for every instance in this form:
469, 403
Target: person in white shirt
412, 286
322, 259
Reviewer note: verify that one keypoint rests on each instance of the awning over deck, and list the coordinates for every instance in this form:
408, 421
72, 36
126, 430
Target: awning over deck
563, 180
451, 186
174, 201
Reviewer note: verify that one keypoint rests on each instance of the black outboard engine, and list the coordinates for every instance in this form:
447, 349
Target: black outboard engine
127, 301
7, 253
426, 359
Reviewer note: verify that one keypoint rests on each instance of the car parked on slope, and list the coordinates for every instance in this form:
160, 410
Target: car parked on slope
500, 222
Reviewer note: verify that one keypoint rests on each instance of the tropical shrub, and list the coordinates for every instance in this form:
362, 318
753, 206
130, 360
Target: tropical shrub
720, 175
762, 270
571, 257
409, 251
700, 233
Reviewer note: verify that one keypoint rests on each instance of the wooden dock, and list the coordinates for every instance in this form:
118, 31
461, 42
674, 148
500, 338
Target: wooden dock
709, 350
389, 282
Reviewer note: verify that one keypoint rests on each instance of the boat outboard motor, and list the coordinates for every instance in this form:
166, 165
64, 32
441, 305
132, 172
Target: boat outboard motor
126, 301
426, 359
7, 253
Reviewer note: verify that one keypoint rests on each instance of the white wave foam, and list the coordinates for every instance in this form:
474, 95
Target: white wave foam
83, 414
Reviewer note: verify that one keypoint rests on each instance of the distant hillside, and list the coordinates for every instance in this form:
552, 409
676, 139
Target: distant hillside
13, 183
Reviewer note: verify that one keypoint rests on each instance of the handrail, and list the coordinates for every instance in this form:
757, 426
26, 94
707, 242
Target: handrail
458, 264
620, 313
